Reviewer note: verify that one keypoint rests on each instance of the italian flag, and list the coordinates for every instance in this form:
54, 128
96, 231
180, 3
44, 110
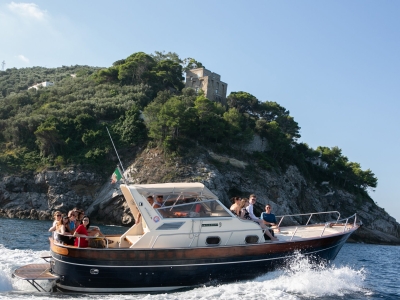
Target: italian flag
116, 176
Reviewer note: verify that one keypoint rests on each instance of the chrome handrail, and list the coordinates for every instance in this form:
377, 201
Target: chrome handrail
91, 237
328, 224
310, 214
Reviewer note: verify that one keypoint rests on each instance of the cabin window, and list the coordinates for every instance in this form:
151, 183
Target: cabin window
191, 208
213, 240
251, 239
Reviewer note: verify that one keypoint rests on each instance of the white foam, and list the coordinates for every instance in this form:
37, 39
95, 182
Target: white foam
12, 259
302, 277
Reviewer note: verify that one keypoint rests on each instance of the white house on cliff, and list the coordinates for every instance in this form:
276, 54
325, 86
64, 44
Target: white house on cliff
42, 84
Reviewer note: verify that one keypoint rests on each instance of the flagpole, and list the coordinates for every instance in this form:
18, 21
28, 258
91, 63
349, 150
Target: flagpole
123, 170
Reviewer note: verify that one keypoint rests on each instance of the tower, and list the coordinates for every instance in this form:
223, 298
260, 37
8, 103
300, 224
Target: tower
201, 78
3, 63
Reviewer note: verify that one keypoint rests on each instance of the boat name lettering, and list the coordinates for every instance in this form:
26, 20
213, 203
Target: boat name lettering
148, 212
209, 225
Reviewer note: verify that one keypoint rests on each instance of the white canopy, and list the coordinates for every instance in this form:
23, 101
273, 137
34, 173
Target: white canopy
189, 188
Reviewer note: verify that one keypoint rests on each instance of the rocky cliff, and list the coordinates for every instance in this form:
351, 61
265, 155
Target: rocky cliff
37, 196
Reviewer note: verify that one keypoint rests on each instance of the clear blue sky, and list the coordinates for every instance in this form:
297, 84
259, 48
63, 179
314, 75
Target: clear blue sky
334, 64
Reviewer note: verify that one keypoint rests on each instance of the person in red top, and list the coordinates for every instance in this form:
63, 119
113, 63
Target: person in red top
81, 232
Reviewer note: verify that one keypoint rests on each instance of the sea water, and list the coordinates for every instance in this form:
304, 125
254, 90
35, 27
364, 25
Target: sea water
360, 271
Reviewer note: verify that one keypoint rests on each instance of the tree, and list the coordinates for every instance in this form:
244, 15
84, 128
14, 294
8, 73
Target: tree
130, 127
169, 75
159, 56
106, 75
190, 63
244, 102
272, 111
136, 69
48, 138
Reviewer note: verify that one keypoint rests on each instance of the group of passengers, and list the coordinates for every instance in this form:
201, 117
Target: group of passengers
243, 208
73, 228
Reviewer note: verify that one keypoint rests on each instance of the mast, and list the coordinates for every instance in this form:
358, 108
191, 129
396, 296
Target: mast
122, 167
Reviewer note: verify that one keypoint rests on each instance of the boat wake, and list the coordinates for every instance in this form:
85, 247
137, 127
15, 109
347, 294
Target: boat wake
12, 259
301, 279
304, 278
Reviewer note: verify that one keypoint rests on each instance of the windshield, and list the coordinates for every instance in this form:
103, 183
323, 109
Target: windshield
192, 209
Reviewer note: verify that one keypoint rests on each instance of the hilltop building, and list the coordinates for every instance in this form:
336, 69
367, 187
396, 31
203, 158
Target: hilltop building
201, 78
42, 84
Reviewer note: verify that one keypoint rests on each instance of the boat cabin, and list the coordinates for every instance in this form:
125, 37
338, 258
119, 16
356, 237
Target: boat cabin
190, 216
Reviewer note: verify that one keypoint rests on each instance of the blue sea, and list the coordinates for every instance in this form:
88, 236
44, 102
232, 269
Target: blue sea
360, 271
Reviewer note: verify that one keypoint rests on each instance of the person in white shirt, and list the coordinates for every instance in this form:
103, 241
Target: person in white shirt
249, 208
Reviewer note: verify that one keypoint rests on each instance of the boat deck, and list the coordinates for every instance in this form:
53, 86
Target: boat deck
295, 233
35, 272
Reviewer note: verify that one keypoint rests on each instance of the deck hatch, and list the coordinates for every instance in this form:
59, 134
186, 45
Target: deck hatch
170, 226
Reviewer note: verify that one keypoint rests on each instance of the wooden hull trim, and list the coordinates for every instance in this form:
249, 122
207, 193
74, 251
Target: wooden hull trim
199, 264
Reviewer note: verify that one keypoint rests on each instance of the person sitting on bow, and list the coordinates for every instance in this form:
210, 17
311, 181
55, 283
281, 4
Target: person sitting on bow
269, 218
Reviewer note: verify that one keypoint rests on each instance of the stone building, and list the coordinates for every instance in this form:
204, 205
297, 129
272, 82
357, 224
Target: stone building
201, 78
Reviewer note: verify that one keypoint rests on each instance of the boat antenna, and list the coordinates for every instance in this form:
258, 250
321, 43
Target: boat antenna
122, 167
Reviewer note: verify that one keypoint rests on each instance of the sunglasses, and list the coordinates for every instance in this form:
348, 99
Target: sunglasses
268, 207
85, 220
58, 215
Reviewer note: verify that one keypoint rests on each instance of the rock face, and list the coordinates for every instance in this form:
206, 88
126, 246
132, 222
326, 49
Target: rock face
288, 193
37, 196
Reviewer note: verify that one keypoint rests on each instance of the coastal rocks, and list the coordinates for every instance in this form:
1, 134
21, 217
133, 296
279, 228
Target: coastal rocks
37, 196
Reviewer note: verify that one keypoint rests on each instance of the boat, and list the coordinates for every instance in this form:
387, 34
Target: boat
191, 240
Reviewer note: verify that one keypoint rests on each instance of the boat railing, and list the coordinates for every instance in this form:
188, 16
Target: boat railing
93, 237
310, 216
342, 222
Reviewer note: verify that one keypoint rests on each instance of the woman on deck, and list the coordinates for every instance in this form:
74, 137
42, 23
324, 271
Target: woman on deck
64, 231
235, 207
81, 233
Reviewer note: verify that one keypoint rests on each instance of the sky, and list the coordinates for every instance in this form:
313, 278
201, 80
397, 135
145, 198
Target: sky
335, 65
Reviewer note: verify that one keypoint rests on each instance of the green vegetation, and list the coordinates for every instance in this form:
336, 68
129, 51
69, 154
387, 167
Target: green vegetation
142, 99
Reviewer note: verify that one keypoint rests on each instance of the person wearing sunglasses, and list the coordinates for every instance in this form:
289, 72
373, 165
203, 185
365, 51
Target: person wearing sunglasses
57, 219
73, 223
64, 232
81, 233
269, 218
